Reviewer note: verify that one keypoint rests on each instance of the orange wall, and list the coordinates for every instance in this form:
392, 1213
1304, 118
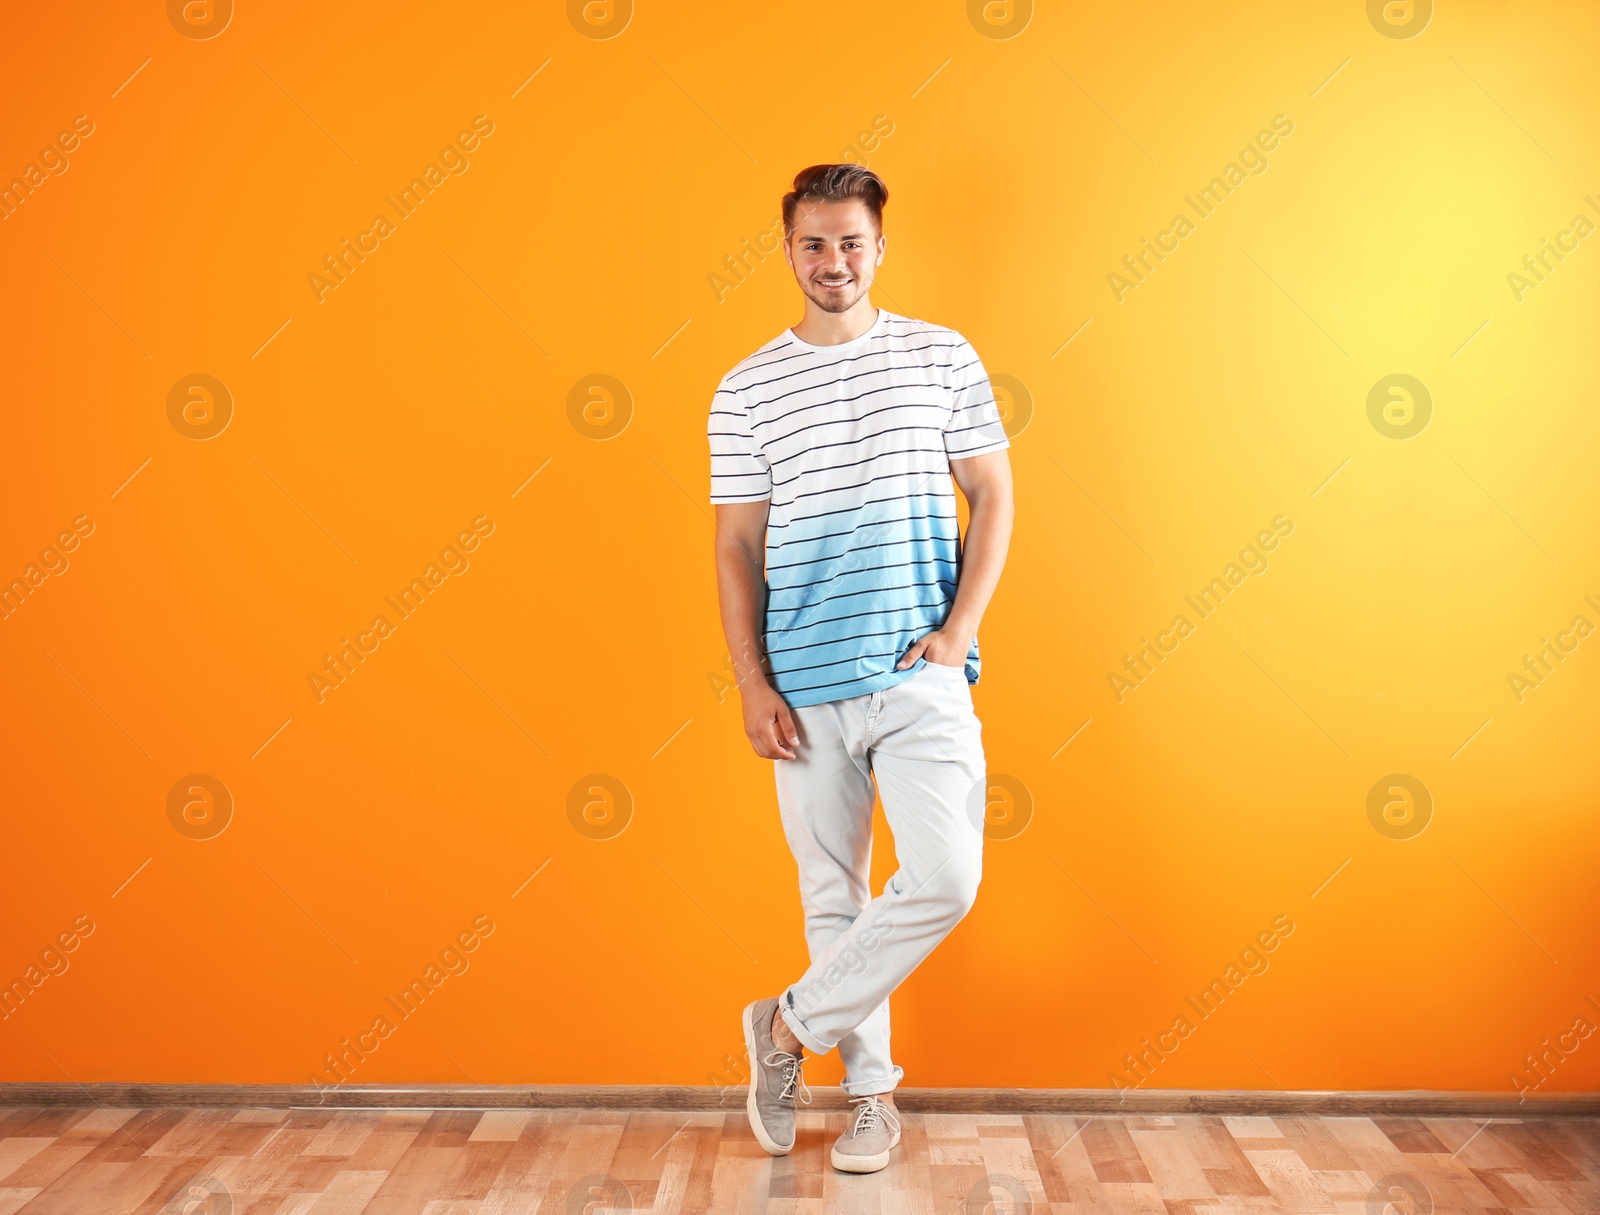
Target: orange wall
1158, 429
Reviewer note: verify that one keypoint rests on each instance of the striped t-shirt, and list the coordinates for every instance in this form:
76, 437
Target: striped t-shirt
853, 443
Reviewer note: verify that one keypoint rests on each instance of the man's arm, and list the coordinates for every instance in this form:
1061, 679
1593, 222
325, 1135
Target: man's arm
985, 481
741, 546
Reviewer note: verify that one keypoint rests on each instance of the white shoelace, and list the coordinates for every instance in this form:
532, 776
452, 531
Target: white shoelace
792, 1075
873, 1113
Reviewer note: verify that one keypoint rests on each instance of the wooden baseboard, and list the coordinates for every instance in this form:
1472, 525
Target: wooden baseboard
1090, 1101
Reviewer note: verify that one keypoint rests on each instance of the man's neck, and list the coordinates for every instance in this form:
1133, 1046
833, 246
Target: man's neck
832, 328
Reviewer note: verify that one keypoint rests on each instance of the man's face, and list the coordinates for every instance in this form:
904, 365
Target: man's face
834, 252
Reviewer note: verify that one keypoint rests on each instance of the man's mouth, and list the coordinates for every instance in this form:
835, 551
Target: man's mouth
834, 283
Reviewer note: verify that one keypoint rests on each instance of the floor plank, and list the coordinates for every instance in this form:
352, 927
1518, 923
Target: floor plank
63, 1160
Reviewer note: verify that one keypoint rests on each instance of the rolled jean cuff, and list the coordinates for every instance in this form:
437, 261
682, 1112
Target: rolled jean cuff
875, 1087
796, 1026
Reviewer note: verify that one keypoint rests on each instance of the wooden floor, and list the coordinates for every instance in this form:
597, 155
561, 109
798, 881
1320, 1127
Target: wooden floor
451, 1162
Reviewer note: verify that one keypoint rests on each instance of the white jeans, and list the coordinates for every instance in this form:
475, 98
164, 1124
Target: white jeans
924, 743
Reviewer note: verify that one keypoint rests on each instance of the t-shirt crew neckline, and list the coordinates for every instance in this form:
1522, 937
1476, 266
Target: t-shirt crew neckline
853, 344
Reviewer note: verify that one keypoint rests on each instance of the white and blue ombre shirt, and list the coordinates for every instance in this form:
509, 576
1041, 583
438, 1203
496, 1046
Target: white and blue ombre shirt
852, 443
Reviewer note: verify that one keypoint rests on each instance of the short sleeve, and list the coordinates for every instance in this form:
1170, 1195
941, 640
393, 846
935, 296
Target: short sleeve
974, 426
739, 469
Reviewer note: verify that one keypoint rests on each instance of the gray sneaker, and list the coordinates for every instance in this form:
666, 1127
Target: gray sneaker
865, 1147
775, 1080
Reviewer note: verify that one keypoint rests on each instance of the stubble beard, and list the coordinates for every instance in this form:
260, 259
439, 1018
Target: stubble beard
835, 301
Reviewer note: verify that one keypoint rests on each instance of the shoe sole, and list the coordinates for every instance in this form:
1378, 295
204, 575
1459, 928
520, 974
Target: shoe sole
846, 1163
768, 1144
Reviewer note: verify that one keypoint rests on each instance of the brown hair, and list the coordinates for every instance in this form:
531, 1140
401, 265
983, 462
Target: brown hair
835, 183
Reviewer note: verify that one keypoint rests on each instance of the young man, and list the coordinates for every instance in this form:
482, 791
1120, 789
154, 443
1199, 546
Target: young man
851, 611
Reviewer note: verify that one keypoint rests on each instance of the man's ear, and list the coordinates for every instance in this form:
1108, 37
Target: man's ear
883, 243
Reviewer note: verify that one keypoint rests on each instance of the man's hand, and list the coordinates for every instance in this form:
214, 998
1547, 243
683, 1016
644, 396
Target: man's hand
986, 481
742, 595
767, 721
940, 647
